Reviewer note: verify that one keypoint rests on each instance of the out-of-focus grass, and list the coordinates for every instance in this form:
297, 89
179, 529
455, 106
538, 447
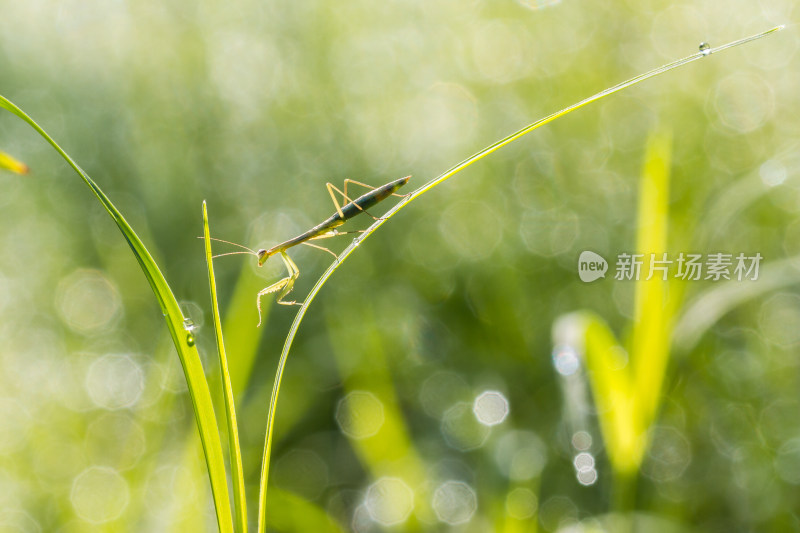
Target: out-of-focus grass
627, 379
9, 163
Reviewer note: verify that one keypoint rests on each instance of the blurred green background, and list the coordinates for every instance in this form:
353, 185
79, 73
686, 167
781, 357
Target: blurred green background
421, 394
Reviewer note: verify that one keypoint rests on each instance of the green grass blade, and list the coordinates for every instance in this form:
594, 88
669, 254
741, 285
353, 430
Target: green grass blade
612, 390
183, 339
239, 500
628, 393
712, 304
650, 337
405, 201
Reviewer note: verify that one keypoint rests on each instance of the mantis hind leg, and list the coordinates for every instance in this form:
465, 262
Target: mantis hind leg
332, 233
322, 247
370, 187
282, 287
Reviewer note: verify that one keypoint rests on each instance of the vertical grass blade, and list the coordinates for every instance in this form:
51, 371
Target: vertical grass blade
610, 379
650, 340
627, 393
239, 501
183, 339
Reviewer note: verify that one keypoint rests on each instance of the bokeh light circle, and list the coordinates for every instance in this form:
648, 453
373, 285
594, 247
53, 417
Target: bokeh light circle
490, 408
521, 503
520, 455
461, 430
115, 439
114, 381
360, 414
99, 494
389, 501
88, 301
454, 502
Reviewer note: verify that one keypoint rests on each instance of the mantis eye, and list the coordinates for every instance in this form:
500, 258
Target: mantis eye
262, 256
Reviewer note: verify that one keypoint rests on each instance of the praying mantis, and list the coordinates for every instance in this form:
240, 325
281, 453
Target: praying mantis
323, 230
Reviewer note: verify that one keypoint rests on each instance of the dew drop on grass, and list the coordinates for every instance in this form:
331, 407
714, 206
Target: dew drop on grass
189, 326
705, 48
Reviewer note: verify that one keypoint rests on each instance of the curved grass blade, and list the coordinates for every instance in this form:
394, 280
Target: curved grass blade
423, 189
711, 305
239, 501
183, 339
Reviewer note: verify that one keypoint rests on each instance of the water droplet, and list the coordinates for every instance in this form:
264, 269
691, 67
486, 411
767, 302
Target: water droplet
705, 48
190, 339
188, 324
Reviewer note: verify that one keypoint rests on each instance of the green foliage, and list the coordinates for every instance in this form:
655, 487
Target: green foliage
627, 381
468, 323
182, 337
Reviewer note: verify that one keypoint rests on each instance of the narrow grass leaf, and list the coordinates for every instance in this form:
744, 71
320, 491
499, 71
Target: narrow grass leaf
239, 500
183, 339
650, 337
612, 390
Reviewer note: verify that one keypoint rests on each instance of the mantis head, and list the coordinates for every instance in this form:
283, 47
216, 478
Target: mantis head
262, 255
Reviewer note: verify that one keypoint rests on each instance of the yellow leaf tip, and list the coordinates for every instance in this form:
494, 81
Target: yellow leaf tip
9, 163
